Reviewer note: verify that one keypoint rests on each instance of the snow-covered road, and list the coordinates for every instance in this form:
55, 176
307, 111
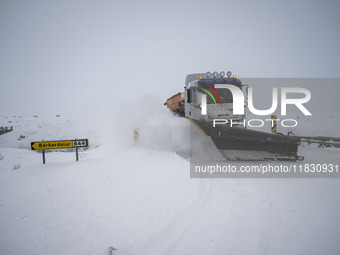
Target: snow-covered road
142, 201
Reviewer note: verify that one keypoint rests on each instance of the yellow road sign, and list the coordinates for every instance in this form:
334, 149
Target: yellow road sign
64, 144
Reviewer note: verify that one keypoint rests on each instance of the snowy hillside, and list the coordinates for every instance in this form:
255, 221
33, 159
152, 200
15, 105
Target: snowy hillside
125, 199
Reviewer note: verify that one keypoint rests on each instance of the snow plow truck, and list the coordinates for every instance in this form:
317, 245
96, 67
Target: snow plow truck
204, 103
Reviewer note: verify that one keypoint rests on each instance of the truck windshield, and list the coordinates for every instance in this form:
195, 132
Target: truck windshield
212, 97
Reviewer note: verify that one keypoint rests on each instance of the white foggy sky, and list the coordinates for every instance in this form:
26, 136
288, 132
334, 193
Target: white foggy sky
86, 56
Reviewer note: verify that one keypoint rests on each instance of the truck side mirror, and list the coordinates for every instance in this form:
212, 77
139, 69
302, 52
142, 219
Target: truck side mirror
188, 96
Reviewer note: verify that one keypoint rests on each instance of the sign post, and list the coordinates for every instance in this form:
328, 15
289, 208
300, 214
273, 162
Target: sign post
62, 144
43, 153
76, 151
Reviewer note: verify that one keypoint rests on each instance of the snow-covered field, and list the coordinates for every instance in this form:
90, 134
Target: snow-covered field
125, 199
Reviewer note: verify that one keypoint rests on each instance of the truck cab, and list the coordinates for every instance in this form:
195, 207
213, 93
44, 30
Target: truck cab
201, 91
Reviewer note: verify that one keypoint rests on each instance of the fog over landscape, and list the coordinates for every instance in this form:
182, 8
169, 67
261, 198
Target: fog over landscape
90, 56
